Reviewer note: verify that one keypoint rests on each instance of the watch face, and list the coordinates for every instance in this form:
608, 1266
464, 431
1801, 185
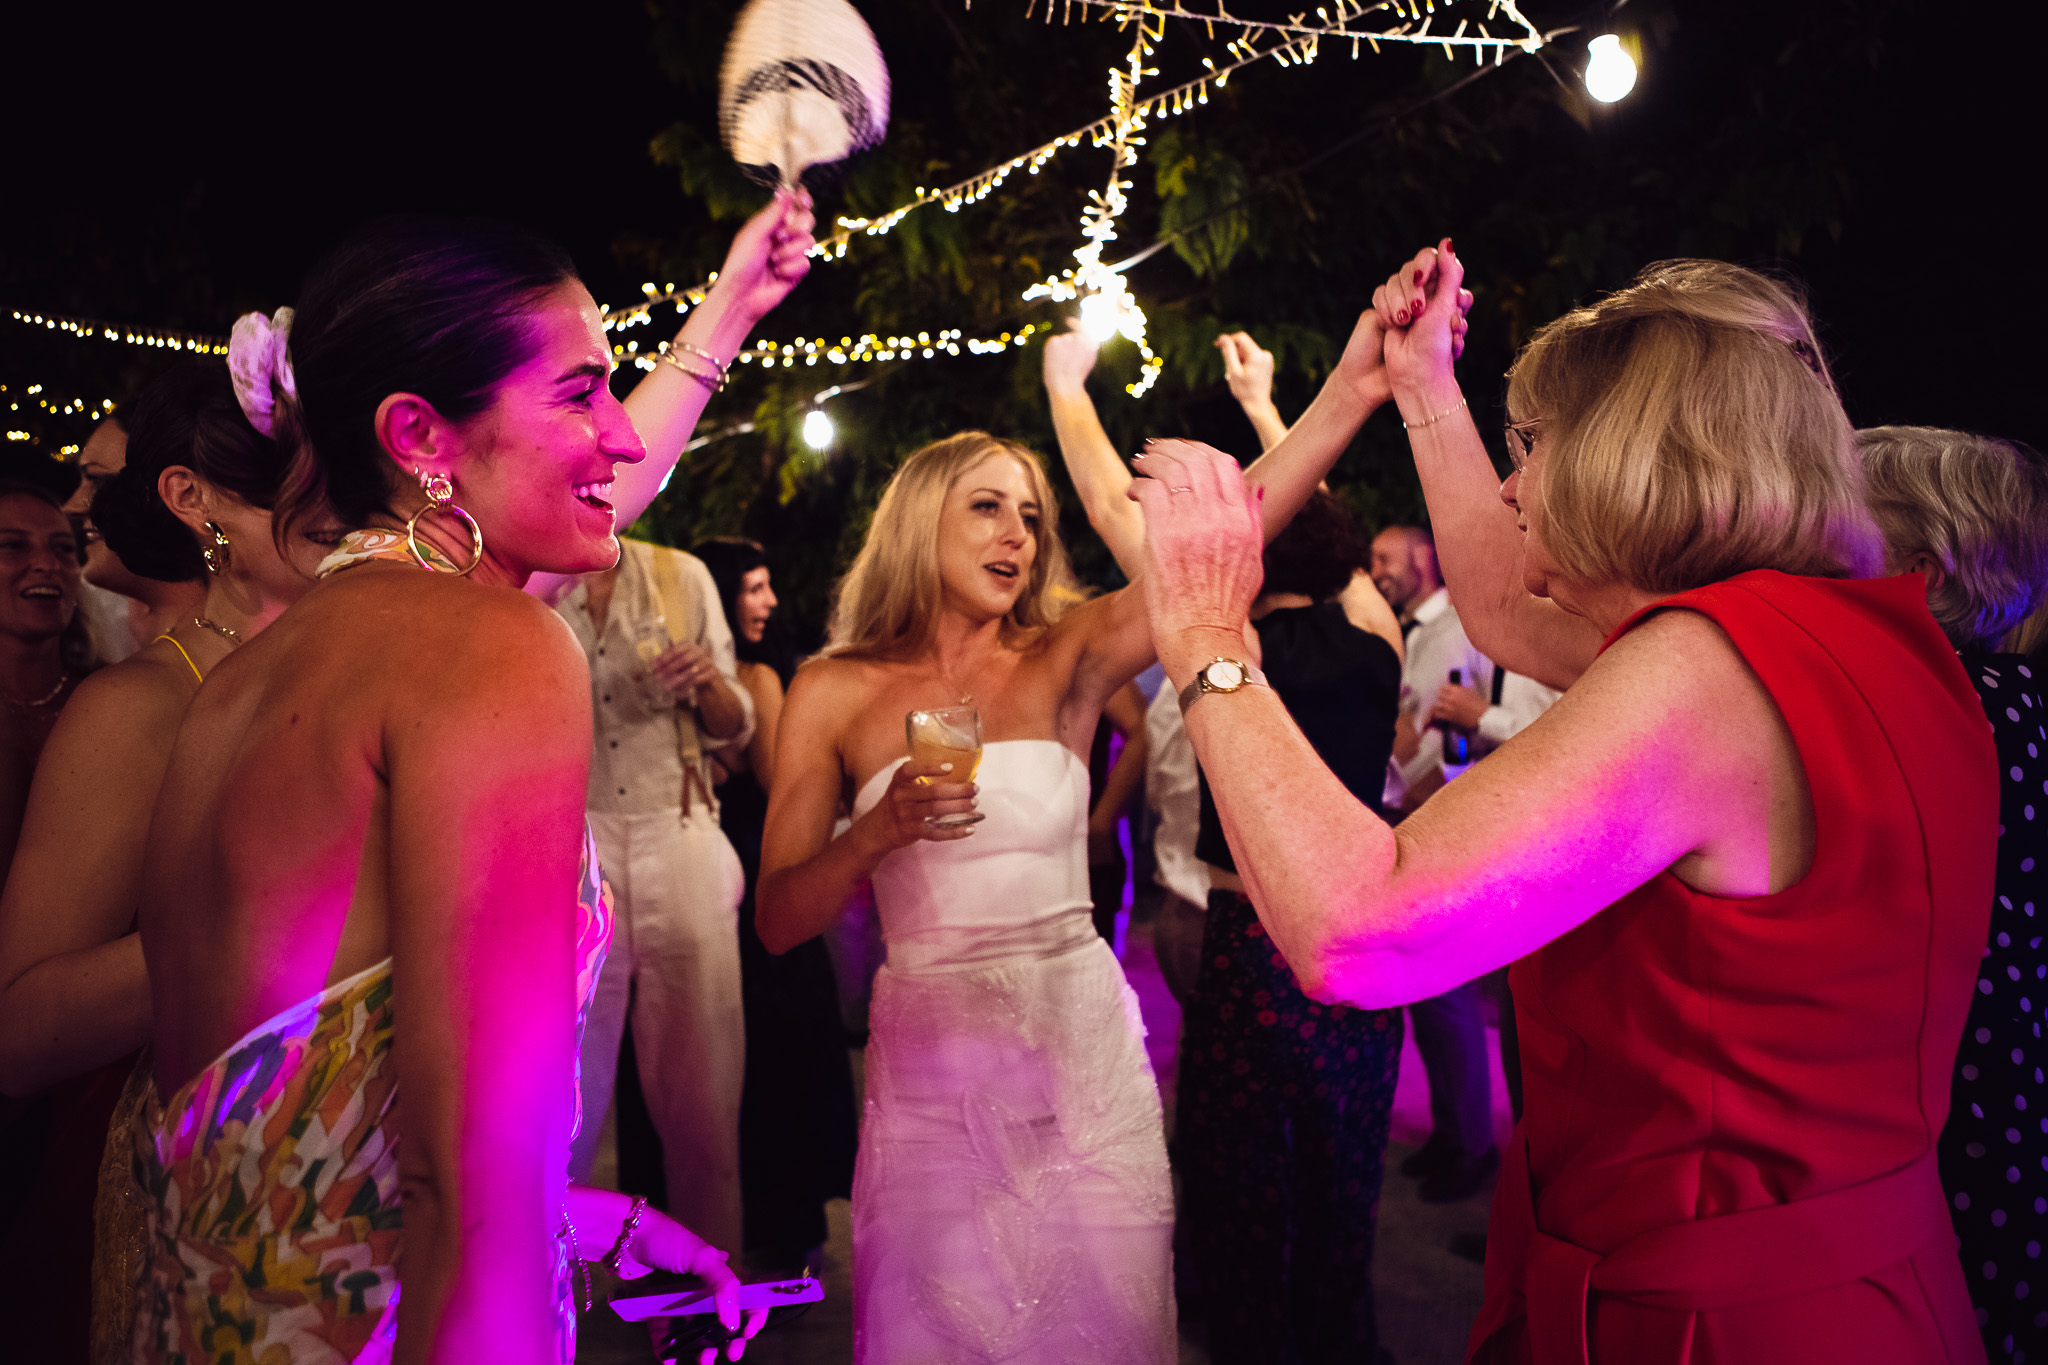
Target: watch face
1224, 676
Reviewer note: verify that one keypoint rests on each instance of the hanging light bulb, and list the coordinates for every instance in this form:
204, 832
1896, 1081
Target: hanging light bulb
1100, 317
1610, 71
818, 431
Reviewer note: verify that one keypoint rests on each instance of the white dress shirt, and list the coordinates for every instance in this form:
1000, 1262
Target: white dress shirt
637, 767
1522, 699
1171, 790
1436, 645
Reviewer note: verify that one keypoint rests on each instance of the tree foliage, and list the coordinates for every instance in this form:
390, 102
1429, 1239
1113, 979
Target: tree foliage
1286, 199
1786, 136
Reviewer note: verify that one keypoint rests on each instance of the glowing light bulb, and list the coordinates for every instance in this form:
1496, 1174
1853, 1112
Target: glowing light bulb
818, 431
1099, 318
1610, 71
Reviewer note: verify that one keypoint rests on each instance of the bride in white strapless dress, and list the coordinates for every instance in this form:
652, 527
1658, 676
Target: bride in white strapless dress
1011, 1201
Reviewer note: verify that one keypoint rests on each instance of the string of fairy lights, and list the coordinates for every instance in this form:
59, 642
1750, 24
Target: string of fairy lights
1107, 306
1293, 44
91, 329
39, 398
853, 350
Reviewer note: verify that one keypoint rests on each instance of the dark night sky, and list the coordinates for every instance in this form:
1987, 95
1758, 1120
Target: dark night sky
262, 135
179, 164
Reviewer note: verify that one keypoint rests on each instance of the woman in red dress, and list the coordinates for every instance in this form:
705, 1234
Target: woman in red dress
1742, 868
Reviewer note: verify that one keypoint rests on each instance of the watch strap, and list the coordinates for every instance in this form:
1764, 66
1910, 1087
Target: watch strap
1195, 688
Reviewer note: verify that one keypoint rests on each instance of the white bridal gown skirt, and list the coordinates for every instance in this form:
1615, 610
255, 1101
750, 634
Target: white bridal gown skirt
1011, 1200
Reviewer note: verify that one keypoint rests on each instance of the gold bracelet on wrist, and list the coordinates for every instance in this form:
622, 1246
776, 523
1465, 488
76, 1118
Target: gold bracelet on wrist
724, 367
1434, 418
711, 382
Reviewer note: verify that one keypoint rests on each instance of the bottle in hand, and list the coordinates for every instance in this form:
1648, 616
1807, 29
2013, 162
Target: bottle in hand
1457, 743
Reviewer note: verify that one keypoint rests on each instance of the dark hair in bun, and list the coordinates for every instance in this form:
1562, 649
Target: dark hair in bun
187, 417
432, 306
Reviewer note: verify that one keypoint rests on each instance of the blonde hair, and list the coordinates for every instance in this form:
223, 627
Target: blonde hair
888, 604
1976, 506
1692, 433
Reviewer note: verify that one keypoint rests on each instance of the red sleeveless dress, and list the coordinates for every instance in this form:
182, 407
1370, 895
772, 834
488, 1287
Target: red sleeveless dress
1730, 1105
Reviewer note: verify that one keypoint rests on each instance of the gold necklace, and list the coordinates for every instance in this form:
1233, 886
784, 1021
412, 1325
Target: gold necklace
232, 637
47, 697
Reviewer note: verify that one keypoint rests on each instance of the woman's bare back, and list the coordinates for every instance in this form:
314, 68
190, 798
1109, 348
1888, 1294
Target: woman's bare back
267, 875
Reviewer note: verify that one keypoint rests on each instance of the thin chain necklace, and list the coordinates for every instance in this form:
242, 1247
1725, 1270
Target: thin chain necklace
232, 637
47, 697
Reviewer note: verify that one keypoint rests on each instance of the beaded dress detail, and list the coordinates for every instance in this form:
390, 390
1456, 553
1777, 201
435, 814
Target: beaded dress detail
272, 1175
1011, 1199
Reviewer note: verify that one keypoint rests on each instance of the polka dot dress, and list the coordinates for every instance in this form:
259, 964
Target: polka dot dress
1994, 1151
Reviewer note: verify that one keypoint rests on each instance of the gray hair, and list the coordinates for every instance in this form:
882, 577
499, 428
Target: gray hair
1974, 505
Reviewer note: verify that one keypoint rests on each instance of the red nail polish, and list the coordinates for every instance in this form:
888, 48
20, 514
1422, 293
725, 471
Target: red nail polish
1448, 248
1418, 277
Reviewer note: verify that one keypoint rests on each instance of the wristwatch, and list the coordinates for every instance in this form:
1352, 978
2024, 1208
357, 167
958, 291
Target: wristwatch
1220, 675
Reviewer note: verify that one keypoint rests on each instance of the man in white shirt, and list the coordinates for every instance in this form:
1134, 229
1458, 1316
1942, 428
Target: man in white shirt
1171, 790
1449, 1031
665, 691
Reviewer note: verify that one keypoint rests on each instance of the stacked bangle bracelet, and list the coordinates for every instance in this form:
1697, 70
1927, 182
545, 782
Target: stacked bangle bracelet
632, 1221
1434, 418
713, 381
612, 1258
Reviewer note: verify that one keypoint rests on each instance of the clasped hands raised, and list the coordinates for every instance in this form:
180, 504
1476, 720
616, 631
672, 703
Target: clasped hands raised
1204, 532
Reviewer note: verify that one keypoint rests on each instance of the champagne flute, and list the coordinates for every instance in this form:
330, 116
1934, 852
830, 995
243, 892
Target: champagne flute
947, 734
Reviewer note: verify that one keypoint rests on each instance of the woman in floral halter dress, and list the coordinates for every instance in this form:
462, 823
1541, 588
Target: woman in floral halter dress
366, 979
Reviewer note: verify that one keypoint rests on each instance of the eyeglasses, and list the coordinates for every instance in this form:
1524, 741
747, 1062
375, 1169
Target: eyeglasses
1521, 439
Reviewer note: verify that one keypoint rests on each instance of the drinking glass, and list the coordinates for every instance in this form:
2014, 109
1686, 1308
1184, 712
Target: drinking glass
947, 734
650, 642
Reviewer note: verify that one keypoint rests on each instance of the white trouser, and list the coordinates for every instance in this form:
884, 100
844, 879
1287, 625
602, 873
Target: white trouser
676, 885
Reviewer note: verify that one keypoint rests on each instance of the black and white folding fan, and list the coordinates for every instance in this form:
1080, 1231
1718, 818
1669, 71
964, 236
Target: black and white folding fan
803, 85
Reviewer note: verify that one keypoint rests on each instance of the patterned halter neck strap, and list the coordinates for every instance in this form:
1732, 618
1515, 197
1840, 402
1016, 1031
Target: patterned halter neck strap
360, 547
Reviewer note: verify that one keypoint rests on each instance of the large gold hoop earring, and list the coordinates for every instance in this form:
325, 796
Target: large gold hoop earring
440, 491
219, 556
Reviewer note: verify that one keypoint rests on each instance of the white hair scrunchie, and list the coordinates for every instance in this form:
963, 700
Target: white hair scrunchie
260, 365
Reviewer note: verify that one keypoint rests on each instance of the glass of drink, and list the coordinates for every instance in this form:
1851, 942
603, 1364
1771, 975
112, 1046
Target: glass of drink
947, 734
650, 642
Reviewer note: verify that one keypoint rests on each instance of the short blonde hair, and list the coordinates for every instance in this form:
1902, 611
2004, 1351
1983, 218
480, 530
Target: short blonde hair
888, 604
1976, 506
1692, 433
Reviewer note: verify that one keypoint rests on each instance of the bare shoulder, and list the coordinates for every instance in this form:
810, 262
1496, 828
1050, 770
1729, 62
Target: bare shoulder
462, 626
1676, 669
835, 684
759, 679
141, 695
1672, 645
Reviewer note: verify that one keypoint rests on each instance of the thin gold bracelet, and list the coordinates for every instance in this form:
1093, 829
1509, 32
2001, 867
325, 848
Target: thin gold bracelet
724, 367
712, 382
1432, 421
